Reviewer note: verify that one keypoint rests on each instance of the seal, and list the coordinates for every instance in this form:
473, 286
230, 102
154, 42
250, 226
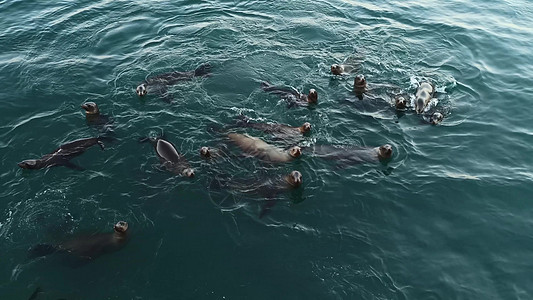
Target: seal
266, 152
158, 84
62, 155
279, 130
424, 93
291, 95
435, 118
87, 247
170, 158
93, 115
359, 86
400, 103
340, 69
265, 187
352, 154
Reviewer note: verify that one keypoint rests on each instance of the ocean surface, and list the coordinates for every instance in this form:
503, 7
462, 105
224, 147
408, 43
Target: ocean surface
450, 216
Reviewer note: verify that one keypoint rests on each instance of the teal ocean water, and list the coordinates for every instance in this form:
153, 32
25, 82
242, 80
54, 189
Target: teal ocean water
448, 217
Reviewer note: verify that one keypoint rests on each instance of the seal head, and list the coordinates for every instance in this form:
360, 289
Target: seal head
205, 152
28, 164
401, 103
359, 82
141, 90
90, 108
436, 118
295, 179
385, 151
337, 69
312, 97
121, 227
188, 172
295, 151
305, 128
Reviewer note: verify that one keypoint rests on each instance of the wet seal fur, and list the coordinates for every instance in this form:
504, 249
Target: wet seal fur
62, 155
352, 154
158, 84
169, 157
293, 96
260, 149
359, 86
423, 96
279, 130
87, 247
341, 69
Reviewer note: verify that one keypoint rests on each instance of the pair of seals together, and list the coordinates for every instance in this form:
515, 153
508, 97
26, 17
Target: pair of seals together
87, 247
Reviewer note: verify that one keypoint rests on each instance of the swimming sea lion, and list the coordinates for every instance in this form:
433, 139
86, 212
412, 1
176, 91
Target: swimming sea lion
62, 155
400, 103
158, 84
258, 148
341, 69
87, 247
292, 95
435, 118
93, 115
424, 94
170, 158
352, 154
359, 86
278, 129
265, 187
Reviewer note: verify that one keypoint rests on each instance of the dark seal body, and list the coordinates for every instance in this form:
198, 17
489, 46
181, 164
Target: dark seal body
291, 95
87, 247
170, 158
158, 84
62, 155
352, 154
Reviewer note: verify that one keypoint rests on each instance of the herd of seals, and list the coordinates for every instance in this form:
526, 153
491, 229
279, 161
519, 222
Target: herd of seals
89, 247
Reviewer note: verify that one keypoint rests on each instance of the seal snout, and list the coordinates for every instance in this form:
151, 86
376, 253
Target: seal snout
205, 152
401, 103
336, 69
295, 152
121, 226
436, 118
141, 90
90, 107
306, 127
313, 96
27, 164
188, 172
359, 81
385, 151
296, 178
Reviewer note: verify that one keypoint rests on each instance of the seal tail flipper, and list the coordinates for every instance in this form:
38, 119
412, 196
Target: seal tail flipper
202, 70
42, 250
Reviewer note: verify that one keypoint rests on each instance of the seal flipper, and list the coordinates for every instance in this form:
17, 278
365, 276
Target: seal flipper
42, 250
36, 293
